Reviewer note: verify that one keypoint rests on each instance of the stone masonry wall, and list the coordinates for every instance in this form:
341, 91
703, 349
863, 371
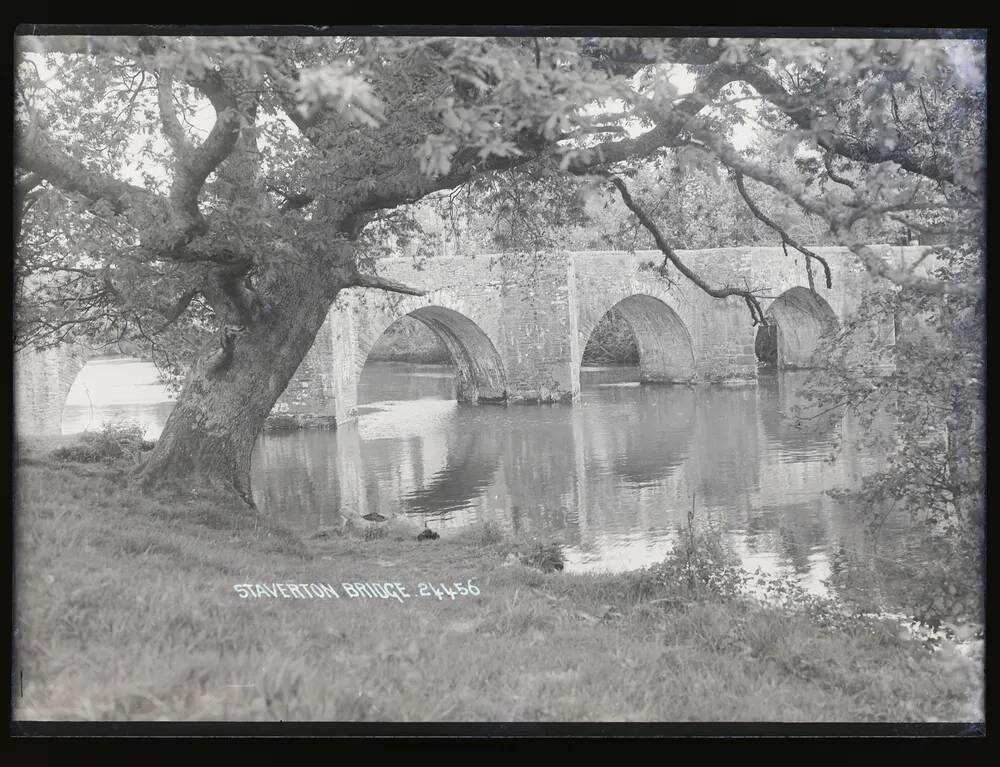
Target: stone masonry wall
538, 332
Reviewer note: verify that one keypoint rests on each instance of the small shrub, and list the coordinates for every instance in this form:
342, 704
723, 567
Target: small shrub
280, 422
546, 557
612, 342
82, 452
491, 534
698, 568
116, 441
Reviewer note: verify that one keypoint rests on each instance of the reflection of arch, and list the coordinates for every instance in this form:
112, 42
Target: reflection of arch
479, 370
780, 403
471, 466
654, 445
800, 317
726, 446
665, 350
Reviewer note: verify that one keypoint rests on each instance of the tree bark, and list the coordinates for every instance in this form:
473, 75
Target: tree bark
209, 437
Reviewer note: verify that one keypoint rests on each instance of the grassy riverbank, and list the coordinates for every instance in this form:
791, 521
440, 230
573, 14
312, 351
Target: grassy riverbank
125, 609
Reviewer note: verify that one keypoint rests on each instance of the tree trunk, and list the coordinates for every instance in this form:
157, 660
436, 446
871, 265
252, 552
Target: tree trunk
209, 437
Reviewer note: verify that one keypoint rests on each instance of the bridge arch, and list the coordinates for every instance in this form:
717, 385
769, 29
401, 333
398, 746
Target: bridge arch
797, 318
43, 379
666, 353
46, 379
480, 371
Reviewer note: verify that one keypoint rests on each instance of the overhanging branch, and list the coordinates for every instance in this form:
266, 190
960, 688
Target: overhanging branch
40, 155
382, 283
879, 267
785, 237
840, 225
828, 162
850, 147
467, 163
756, 312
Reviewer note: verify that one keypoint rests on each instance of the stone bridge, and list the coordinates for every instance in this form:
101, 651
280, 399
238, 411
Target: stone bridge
517, 326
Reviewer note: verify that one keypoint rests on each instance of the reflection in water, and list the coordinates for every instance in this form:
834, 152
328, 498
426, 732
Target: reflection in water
790, 421
476, 456
636, 434
612, 477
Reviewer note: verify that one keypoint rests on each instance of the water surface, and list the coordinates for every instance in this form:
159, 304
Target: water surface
616, 478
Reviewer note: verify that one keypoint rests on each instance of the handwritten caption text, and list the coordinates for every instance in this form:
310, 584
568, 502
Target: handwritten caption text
397, 591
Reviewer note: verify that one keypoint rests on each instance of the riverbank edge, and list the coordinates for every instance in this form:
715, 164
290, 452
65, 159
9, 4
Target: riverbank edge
104, 577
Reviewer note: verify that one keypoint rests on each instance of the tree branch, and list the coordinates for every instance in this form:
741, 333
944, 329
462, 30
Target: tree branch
828, 162
286, 78
839, 225
292, 200
713, 144
879, 267
847, 146
785, 237
466, 163
173, 313
630, 58
38, 154
382, 283
756, 313
922, 228
169, 122
195, 165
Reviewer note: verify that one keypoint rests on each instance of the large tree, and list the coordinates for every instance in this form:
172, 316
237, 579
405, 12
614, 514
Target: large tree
169, 188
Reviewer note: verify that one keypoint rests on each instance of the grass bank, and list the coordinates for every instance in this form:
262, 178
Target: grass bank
126, 609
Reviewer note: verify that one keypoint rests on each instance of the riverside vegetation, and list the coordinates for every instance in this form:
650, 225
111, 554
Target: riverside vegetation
126, 610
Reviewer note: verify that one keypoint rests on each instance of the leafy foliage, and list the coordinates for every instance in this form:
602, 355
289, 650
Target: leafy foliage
920, 405
115, 441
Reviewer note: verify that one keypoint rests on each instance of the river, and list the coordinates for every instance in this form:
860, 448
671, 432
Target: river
613, 477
